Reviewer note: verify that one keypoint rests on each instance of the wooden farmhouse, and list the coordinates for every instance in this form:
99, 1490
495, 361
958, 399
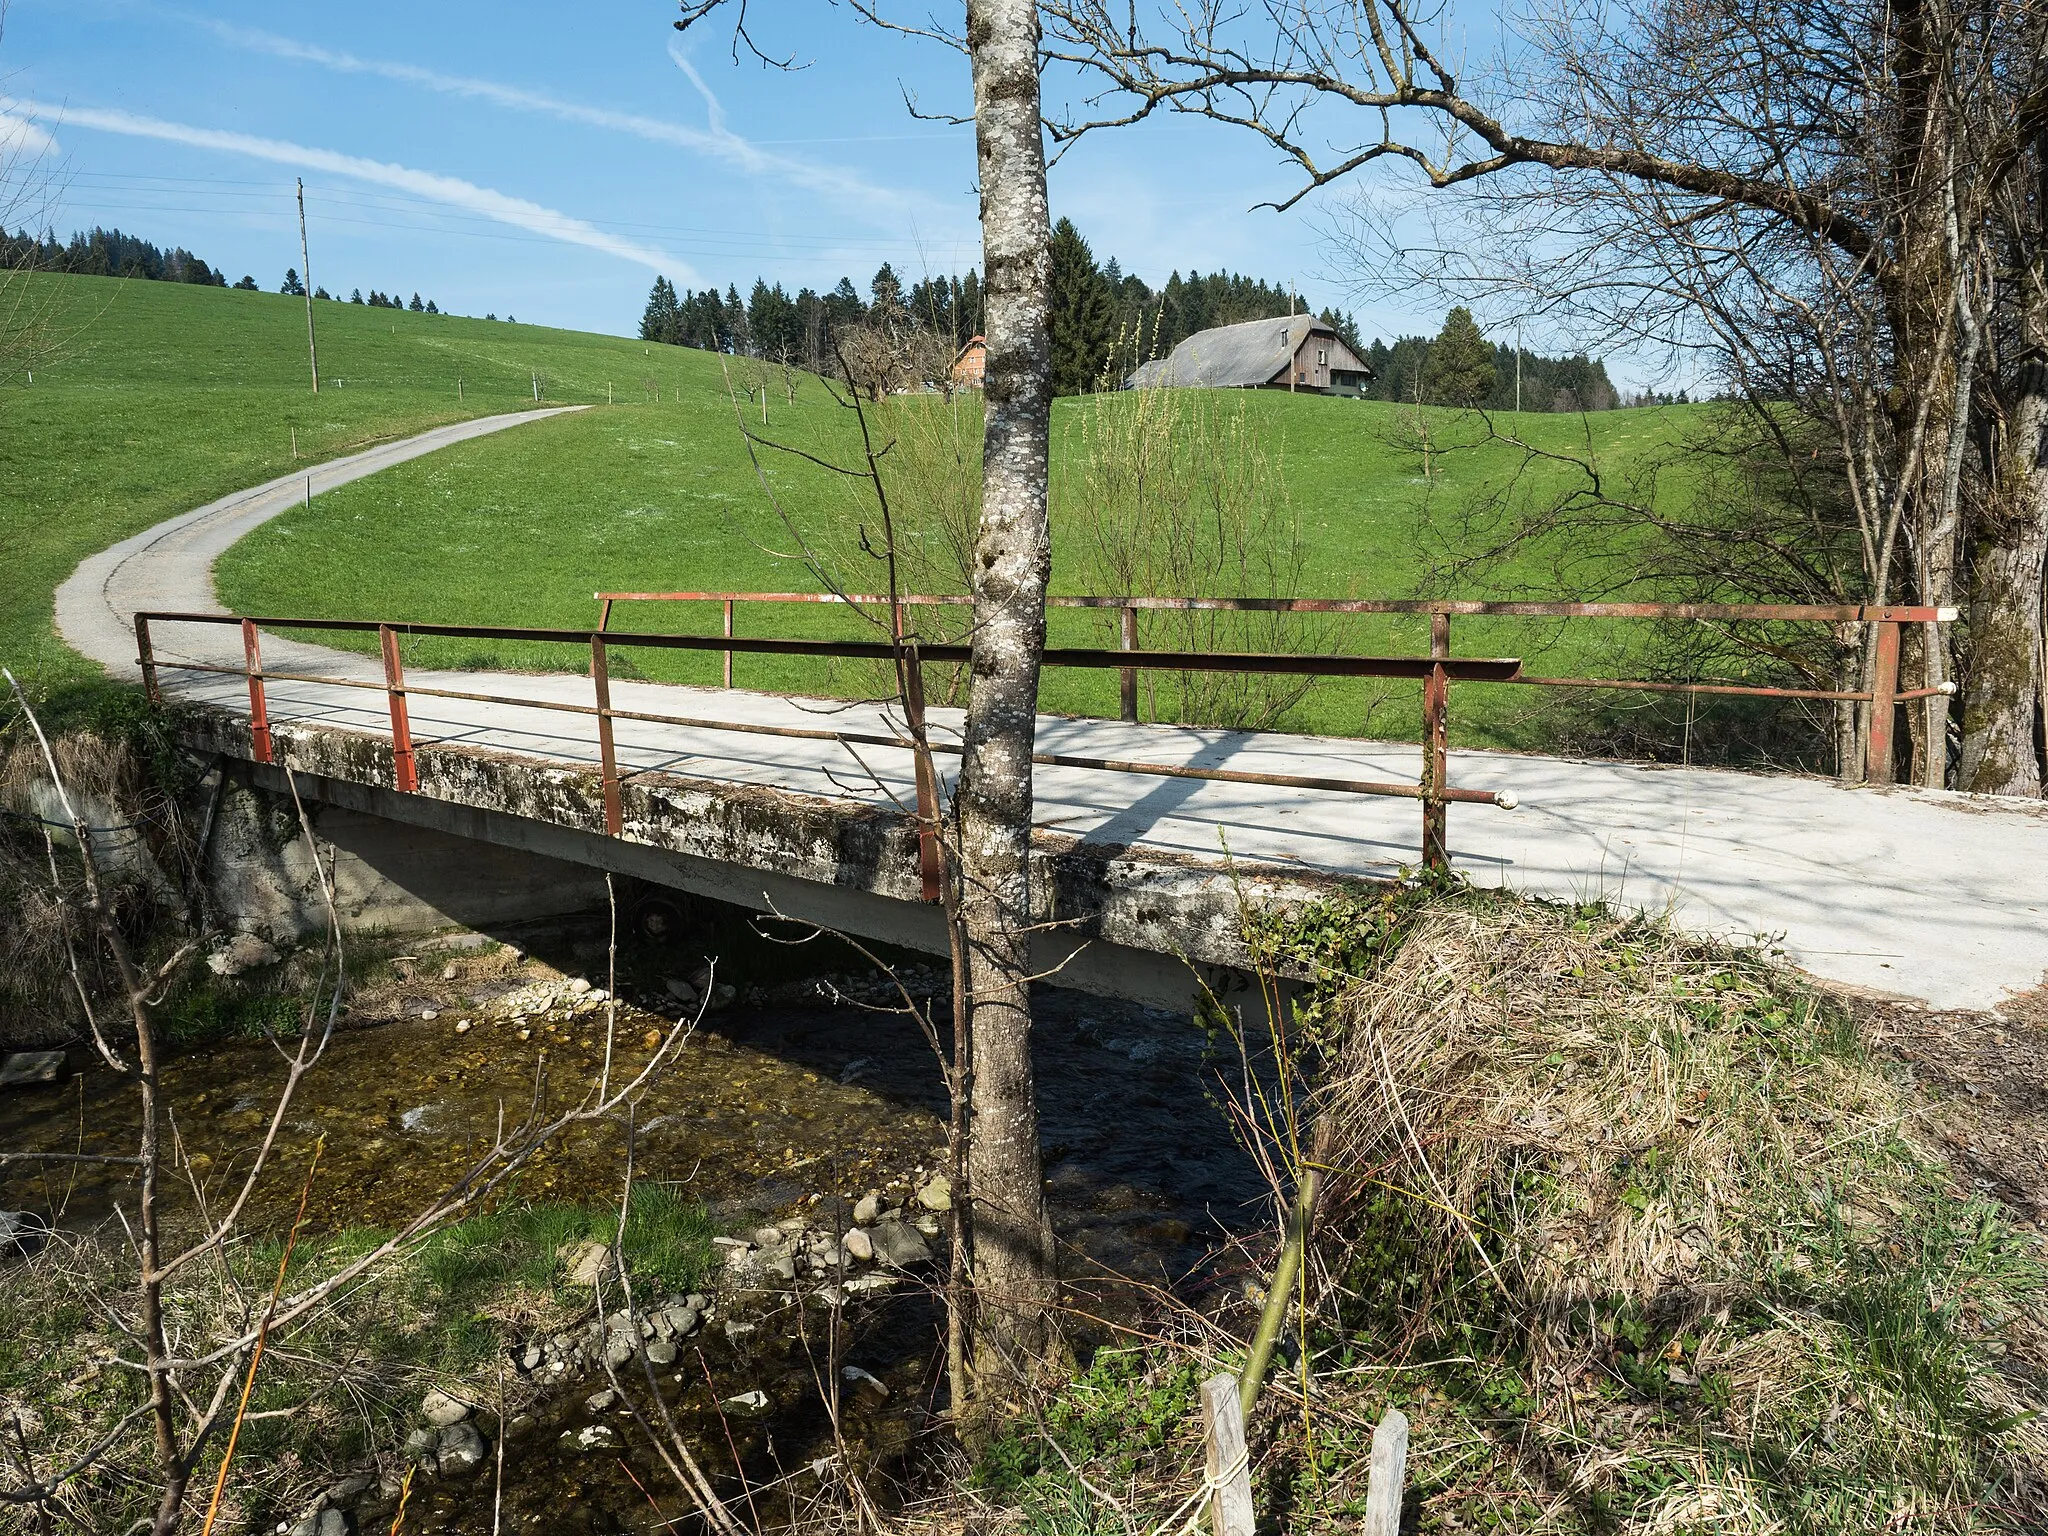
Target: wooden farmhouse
1297, 352
971, 364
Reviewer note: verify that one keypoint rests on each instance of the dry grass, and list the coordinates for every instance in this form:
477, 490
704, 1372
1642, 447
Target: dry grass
113, 790
1679, 1220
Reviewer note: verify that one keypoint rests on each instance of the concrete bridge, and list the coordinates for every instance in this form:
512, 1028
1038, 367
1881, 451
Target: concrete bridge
1931, 895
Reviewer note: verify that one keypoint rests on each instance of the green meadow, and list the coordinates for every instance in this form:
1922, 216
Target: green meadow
524, 527
158, 397
154, 398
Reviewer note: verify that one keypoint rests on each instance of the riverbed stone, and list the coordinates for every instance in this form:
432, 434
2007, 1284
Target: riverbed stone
23, 1234
531, 1357
779, 1266
578, 987
586, 1262
601, 1402
25, 1069
937, 1195
899, 1245
441, 1410
858, 1245
243, 952
421, 1442
461, 1448
683, 1319
662, 1352
867, 1209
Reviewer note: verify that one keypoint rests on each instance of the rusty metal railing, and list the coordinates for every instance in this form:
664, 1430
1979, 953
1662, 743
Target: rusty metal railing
1436, 671
1883, 696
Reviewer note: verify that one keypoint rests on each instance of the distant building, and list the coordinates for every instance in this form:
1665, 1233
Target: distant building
1296, 352
971, 364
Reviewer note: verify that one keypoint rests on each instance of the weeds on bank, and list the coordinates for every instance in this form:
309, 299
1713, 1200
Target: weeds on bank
1634, 1232
334, 1391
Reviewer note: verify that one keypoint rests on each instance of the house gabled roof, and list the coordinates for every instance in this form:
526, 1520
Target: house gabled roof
1241, 356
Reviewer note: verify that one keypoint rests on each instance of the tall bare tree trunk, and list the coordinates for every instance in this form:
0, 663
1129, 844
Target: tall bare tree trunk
2001, 711
1015, 1277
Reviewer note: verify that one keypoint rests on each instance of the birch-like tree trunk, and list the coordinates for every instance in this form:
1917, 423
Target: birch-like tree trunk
1015, 1279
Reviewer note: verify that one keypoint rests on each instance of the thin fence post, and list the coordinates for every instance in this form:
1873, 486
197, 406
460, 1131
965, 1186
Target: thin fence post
728, 649
1884, 689
404, 770
1386, 1483
1436, 762
604, 613
928, 871
608, 761
259, 708
1227, 1465
145, 657
1127, 679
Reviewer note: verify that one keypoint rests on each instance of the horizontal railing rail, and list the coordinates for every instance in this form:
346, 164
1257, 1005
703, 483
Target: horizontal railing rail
1435, 672
1882, 697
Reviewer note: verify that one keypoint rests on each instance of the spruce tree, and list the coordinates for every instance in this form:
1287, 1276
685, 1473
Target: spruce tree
658, 321
356, 297
416, 306
1083, 313
1459, 370
291, 284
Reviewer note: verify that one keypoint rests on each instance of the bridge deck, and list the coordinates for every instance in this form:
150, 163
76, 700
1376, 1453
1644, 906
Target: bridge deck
1933, 895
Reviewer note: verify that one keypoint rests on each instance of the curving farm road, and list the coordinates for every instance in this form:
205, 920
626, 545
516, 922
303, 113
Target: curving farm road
1926, 894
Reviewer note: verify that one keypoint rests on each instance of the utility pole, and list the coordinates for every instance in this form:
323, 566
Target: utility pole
306, 267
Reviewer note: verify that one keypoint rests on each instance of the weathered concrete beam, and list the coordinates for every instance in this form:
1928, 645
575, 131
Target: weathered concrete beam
1119, 921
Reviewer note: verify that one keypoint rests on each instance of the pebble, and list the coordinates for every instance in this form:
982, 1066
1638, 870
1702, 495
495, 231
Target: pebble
430, 1014
748, 1402
594, 1437
461, 1448
899, 1245
441, 1410
858, 1245
867, 1209
578, 987
937, 1195
867, 1379
662, 1352
601, 1402
463, 1028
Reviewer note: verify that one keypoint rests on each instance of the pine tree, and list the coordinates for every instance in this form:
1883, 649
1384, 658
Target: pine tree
1459, 370
247, 284
291, 284
1083, 313
659, 321
416, 306
356, 297
431, 308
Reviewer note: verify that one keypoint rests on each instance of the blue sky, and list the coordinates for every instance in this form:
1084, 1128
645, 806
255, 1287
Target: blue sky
546, 160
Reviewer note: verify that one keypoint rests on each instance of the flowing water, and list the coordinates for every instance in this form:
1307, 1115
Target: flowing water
774, 1101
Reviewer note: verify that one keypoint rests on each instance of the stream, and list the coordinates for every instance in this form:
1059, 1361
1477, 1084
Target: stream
788, 1095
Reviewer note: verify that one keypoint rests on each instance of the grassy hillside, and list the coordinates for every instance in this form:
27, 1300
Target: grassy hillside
163, 396
522, 528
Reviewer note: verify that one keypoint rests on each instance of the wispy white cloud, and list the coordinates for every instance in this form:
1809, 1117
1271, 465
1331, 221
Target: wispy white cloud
23, 139
846, 187
517, 212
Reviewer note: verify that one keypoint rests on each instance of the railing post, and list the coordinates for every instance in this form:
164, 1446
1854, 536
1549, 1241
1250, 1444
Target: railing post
404, 770
1884, 689
145, 657
608, 761
728, 649
604, 614
1436, 761
259, 709
1127, 679
928, 870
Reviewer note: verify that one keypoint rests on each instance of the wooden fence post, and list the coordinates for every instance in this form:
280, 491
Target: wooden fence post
1387, 1482
404, 770
728, 649
607, 757
1228, 1466
259, 710
1436, 759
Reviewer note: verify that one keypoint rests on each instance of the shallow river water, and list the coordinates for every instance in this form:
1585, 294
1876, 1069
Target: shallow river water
774, 1101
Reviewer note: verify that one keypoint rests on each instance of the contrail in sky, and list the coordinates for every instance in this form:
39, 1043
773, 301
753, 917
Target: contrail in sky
844, 186
450, 190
